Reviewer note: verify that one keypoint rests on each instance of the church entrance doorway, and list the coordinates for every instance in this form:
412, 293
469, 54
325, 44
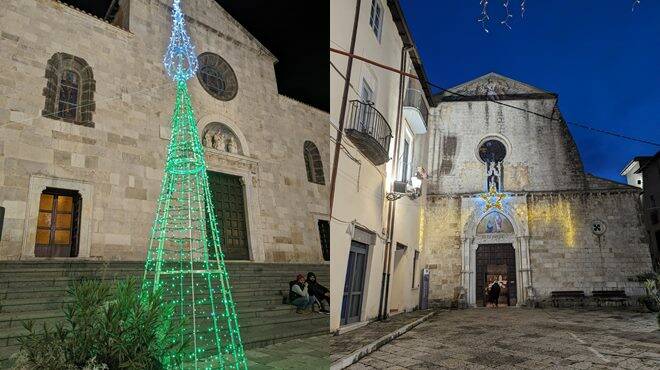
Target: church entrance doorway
496, 262
228, 199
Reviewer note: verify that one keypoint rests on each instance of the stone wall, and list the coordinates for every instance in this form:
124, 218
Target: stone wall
563, 251
442, 246
541, 154
120, 159
566, 255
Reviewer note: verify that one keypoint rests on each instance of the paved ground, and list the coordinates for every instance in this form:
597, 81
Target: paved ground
342, 345
302, 354
508, 338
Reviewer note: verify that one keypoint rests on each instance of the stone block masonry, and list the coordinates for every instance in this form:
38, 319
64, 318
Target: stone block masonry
119, 160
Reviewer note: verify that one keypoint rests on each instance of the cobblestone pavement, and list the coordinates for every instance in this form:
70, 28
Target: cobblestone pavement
301, 354
342, 345
508, 338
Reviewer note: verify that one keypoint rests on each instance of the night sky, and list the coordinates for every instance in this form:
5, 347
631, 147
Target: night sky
603, 61
295, 31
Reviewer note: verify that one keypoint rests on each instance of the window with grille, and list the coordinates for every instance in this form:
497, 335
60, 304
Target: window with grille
67, 102
69, 90
217, 77
313, 163
58, 223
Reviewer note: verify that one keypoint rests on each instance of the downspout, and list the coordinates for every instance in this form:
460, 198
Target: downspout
342, 110
391, 207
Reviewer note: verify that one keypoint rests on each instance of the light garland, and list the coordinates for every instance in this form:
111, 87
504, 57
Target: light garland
185, 260
180, 59
493, 198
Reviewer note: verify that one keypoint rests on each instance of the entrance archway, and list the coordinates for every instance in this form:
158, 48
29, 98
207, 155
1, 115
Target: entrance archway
503, 243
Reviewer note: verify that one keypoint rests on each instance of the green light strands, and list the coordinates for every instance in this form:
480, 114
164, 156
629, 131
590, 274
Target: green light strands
185, 260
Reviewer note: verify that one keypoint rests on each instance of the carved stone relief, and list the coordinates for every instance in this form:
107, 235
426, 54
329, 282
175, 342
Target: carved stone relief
220, 137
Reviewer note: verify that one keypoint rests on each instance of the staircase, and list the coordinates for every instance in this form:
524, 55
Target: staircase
36, 290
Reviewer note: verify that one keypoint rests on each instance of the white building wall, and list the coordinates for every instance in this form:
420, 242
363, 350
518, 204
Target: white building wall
361, 187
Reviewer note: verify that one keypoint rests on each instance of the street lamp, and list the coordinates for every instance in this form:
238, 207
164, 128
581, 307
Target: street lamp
412, 188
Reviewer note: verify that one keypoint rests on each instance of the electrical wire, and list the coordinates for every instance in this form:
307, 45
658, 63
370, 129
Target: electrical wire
492, 99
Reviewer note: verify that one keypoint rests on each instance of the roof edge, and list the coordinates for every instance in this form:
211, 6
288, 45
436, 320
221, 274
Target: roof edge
406, 36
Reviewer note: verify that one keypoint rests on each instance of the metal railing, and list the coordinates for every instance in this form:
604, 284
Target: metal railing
415, 98
365, 118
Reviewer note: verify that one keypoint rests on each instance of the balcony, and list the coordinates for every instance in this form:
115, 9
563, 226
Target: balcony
415, 110
369, 131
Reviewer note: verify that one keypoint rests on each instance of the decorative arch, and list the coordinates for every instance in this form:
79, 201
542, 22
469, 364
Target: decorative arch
224, 137
313, 163
69, 90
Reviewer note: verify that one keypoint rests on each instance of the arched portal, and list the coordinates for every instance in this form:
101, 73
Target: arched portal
495, 246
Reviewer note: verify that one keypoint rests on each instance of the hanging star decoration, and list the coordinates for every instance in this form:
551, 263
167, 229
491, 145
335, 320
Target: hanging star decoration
493, 198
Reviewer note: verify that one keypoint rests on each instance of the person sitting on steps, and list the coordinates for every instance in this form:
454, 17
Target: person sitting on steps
320, 293
299, 296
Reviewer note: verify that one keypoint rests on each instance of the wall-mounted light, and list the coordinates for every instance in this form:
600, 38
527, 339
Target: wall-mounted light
412, 189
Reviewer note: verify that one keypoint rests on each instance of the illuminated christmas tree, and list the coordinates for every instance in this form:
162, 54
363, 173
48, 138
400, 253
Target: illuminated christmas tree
185, 260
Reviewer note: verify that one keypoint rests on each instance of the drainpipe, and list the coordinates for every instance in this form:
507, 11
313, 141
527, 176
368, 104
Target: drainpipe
342, 110
391, 206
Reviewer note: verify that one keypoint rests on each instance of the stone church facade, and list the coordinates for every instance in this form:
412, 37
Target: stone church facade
85, 107
558, 228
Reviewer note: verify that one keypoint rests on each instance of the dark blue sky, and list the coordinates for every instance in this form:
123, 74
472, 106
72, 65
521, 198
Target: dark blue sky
602, 59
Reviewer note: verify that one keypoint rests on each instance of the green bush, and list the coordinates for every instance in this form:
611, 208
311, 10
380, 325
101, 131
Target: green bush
106, 327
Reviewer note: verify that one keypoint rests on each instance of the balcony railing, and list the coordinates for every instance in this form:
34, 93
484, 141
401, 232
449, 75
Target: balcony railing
369, 131
415, 99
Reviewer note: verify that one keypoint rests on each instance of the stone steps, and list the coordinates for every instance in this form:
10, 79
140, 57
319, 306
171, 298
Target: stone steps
37, 290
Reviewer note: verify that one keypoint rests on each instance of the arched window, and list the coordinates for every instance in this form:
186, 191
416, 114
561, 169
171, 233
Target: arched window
313, 163
492, 153
69, 90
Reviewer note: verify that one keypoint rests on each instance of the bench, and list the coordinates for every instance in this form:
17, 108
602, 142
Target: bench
573, 296
615, 296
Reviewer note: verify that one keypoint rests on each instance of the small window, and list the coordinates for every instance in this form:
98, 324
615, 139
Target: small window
313, 163
405, 166
367, 93
217, 77
58, 223
324, 236
414, 270
639, 182
376, 18
69, 90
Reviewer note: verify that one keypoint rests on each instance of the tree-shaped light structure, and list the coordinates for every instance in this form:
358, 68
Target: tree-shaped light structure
185, 261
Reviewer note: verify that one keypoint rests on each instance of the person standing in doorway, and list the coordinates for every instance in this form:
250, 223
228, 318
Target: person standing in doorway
494, 293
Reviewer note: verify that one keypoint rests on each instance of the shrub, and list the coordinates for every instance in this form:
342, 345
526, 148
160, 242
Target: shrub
106, 327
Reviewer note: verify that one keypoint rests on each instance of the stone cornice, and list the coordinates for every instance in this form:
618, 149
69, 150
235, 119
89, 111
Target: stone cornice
540, 193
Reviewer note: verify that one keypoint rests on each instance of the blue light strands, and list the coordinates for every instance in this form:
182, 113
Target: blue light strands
185, 261
180, 59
